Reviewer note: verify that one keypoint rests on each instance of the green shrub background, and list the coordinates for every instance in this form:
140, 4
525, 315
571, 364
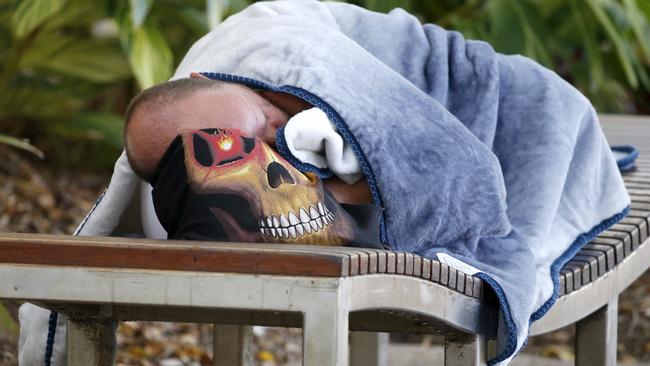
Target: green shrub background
69, 67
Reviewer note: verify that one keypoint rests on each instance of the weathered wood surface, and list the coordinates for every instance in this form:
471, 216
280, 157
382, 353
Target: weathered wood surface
290, 260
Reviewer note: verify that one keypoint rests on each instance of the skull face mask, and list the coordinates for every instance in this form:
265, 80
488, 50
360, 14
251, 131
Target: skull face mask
221, 184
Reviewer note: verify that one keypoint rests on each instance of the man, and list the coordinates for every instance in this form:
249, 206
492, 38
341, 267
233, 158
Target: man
157, 115
489, 159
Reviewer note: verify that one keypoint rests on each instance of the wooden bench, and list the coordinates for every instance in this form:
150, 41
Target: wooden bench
325, 290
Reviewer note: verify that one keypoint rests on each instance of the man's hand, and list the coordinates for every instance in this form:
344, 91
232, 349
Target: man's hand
357, 193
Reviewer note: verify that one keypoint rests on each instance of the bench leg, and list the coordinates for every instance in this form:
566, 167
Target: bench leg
596, 337
471, 351
232, 345
368, 349
325, 337
90, 342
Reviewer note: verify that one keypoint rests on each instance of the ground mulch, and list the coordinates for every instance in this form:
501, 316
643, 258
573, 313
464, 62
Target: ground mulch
35, 198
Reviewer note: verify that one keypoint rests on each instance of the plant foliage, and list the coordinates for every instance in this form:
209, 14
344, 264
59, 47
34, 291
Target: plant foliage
601, 46
68, 67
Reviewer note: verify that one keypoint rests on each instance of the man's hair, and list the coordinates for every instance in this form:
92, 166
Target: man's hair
155, 97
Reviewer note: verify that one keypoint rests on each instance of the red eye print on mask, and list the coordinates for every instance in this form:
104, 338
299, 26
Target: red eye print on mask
221, 147
288, 206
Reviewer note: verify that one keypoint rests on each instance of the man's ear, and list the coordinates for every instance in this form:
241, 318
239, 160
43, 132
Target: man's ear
197, 75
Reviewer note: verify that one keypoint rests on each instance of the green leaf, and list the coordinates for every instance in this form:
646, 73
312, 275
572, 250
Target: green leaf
533, 30
43, 47
42, 99
93, 60
589, 39
616, 38
644, 6
6, 40
90, 60
639, 24
95, 126
77, 13
139, 11
385, 6
507, 34
22, 144
215, 10
150, 57
194, 20
32, 13
238, 5
125, 31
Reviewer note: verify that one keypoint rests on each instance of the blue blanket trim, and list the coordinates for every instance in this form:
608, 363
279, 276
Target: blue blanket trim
51, 332
627, 162
283, 149
580, 241
511, 344
334, 117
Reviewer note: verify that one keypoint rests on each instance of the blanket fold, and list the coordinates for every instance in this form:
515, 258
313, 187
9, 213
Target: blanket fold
490, 159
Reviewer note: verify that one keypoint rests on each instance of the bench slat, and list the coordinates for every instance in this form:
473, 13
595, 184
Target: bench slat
400, 263
469, 285
617, 245
590, 266
453, 277
408, 264
599, 257
444, 274
622, 237
426, 268
607, 250
168, 255
640, 223
568, 279
631, 230
435, 271
576, 272
477, 291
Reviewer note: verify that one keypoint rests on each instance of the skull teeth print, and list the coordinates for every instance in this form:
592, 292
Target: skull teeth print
292, 226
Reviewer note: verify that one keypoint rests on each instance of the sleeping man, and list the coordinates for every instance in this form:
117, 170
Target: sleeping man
488, 159
219, 138
489, 163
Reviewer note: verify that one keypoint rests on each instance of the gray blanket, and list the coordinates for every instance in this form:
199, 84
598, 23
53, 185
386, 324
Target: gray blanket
491, 160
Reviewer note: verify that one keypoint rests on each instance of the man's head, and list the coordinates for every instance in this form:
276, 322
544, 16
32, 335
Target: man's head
158, 114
